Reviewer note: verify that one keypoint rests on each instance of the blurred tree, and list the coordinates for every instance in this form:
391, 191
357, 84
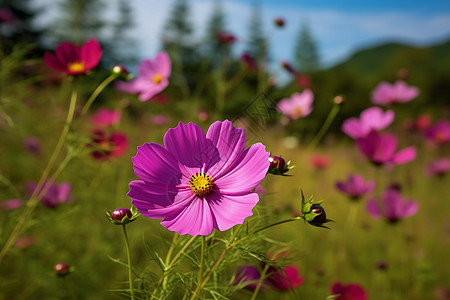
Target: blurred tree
215, 49
306, 56
257, 45
79, 20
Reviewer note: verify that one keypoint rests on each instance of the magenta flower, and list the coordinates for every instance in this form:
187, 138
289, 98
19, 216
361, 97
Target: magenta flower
286, 279
381, 149
108, 146
438, 167
439, 132
197, 183
73, 60
10, 204
373, 118
386, 93
152, 79
56, 194
7, 16
298, 106
392, 206
351, 291
319, 161
106, 117
355, 187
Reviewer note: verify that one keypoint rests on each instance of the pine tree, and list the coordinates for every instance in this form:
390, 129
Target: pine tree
216, 24
257, 45
306, 55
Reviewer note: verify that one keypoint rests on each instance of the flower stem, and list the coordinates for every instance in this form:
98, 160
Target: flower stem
202, 260
94, 96
326, 125
260, 282
130, 278
38, 193
169, 254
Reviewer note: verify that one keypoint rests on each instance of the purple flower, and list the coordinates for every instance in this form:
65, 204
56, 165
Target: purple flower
56, 194
33, 145
106, 117
197, 183
438, 167
351, 291
152, 79
386, 93
393, 207
439, 132
355, 187
373, 118
298, 106
10, 204
381, 149
287, 279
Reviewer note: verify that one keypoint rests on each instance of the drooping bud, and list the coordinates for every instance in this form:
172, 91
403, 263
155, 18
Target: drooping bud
314, 213
122, 216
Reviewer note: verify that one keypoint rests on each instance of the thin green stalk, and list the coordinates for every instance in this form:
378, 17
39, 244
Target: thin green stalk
260, 282
94, 96
130, 278
169, 255
36, 195
325, 126
202, 261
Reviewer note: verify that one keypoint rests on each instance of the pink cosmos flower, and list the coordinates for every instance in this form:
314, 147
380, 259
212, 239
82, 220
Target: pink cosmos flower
355, 187
393, 207
106, 117
386, 93
10, 204
381, 149
197, 183
109, 146
351, 291
152, 79
160, 120
319, 161
298, 106
73, 60
438, 167
23, 242
57, 193
274, 278
439, 133
373, 118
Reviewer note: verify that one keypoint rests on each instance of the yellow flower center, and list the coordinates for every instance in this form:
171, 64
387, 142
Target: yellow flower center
104, 146
76, 66
157, 78
201, 184
297, 113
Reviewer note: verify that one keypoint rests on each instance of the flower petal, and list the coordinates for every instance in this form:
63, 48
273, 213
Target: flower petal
373, 208
91, 54
54, 63
67, 52
404, 156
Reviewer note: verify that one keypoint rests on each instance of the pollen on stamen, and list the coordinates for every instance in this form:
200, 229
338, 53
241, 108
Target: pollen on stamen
76, 67
157, 78
201, 184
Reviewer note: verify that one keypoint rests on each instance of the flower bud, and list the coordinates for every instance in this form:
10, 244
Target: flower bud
121, 72
61, 269
288, 67
279, 22
122, 216
321, 215
339, 100
314, 213
278, 165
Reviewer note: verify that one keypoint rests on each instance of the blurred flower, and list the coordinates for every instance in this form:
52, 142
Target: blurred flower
319, 161
197, 183
288, 67
441, 293
393, 207
7, 16
351, 291
279, 22
106, 117
225, 38
439, 132
355, 187
438, 167
287, 279
420, 124
372, 118
386, 93
249, 62
380, 149
203, 115
23, 242
152, 79
61, 269
73, 60
303, 81
10, 204
32, 144
298, 106
108, 146
160, 120
403, 74
56, 194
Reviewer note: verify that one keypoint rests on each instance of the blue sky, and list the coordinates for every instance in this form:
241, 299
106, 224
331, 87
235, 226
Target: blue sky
338, 26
